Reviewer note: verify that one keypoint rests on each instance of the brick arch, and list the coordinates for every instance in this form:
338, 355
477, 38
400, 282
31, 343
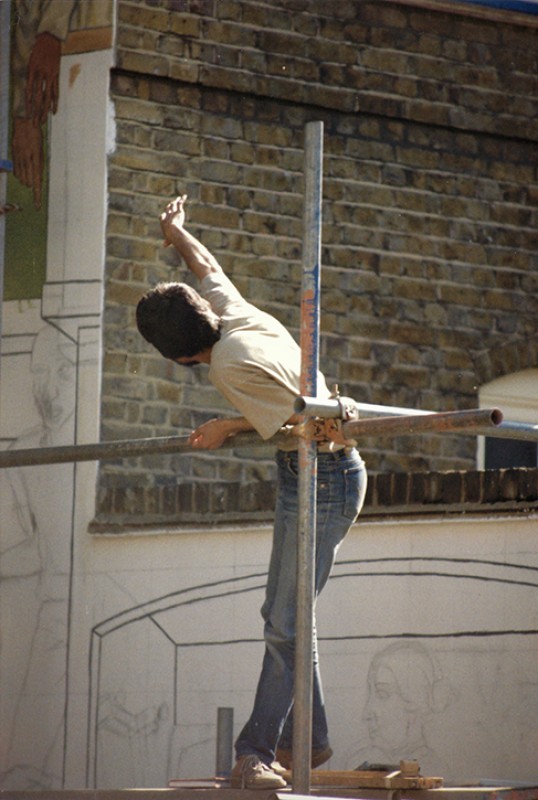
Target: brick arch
514, 356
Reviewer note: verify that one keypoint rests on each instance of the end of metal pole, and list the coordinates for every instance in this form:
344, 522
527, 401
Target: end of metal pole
497, 416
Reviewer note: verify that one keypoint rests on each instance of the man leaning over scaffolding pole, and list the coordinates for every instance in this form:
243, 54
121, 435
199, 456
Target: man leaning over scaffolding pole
256, 365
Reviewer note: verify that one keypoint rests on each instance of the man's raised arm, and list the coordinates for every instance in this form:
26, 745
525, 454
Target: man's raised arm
196, 256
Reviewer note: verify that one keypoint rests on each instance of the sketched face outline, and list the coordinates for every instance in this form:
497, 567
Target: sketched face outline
53, 369
402, 682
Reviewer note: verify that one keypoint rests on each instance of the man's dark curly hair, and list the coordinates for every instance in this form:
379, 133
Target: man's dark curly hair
177, 321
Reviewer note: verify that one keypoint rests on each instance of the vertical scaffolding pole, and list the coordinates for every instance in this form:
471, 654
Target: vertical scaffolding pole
225, 737
5, 166
306, 533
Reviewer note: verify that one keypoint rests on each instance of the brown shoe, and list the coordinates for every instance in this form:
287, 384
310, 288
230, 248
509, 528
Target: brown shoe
319, 757
250, 772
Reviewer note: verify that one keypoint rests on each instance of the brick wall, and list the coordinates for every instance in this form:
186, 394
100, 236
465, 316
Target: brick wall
429, 219
390, 494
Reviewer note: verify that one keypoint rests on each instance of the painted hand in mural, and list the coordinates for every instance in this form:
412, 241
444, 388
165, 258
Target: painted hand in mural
41, 98
42, 83
28, 156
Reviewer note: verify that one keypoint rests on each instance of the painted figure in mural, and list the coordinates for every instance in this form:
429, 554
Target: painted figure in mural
34, 576
40, 29
255, 363
37, 503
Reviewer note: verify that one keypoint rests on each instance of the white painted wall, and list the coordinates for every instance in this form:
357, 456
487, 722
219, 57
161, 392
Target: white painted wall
49, 395
429, 637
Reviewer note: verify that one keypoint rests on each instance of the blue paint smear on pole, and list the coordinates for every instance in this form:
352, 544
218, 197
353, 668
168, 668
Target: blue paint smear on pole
521, 6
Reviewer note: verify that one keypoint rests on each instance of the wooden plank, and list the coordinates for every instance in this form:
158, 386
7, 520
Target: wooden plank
372, 779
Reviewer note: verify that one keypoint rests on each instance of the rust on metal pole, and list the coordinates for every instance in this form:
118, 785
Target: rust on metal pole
443, 422
387, 421
103, 451
380, 422
494, 426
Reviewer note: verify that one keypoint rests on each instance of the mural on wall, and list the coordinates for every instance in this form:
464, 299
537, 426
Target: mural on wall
454, 690
35, 570
44, 32
405, 686
50, 332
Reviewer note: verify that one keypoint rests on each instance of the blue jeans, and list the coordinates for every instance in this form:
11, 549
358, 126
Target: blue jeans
341, 486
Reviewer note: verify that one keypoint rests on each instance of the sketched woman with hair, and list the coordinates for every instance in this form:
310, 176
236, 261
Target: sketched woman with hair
406, 687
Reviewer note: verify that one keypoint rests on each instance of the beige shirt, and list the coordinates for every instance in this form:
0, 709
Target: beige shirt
256, 364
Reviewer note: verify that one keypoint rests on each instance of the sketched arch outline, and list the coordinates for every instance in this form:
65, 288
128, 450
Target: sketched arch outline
255, 582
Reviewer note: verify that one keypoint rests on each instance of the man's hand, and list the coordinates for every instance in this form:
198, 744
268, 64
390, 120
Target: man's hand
196, 255
210, 435
173, 218
214, 433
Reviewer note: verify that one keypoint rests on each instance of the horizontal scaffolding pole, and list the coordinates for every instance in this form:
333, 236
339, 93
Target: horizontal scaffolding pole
337, 408
444, 422
382, 421
506, 429
513, 430
109, 451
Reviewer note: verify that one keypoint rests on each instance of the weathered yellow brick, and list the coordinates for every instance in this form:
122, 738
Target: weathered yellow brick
185, 25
